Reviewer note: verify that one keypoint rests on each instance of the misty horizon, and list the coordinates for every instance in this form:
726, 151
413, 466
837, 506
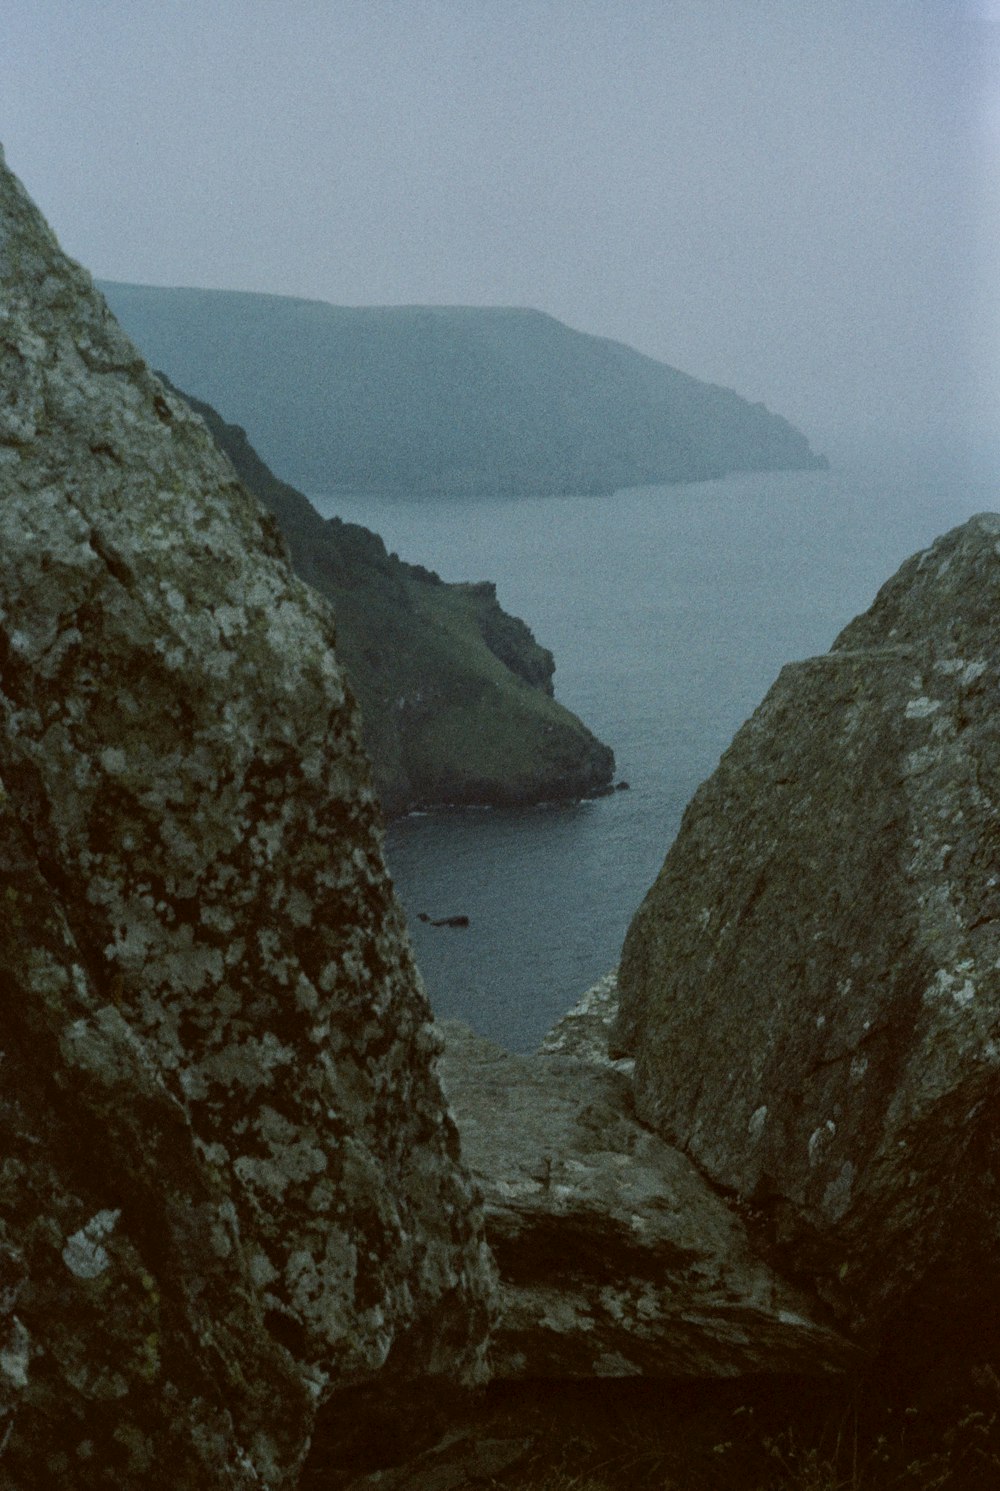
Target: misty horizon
797, 205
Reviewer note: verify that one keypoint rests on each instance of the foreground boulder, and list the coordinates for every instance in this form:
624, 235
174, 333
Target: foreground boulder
811, 988
616, 1258
456, 695
229, 1184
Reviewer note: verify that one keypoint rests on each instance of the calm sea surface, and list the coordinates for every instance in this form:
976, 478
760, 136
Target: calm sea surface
670, 611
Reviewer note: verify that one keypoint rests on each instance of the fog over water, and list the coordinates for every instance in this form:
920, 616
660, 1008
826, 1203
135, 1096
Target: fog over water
795, 199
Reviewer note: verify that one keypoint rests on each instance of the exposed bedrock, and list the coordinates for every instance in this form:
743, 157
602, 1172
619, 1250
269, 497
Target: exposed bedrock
811, 988
228, 1184
615, 1256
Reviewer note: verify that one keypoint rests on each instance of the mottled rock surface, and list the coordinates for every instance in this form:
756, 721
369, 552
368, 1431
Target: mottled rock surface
615, 1257
228, 1184
583, 1030
811, 987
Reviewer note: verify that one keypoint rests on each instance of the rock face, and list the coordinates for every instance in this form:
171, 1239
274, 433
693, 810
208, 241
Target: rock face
615, 1257
228, 1185
811, 987
430, 399
455, 694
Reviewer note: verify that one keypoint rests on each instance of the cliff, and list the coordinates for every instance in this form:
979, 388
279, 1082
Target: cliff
447, 399
230, 1187
233, 1218
456, 695
811, 987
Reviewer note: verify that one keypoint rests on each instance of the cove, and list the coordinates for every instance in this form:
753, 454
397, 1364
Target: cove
670, 611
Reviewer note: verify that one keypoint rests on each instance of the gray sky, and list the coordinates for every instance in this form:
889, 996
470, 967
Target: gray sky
799, 199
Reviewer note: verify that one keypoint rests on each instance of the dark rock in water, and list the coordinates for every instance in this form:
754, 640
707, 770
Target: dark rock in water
442, 921
811, 988
622, 786
616, 1258
229, 1183
456, 695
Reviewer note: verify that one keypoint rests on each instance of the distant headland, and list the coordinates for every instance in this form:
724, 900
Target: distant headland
423, 400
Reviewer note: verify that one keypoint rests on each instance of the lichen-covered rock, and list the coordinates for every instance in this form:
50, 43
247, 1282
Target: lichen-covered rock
811, 989
228, 1184
584, 1029
616, 1258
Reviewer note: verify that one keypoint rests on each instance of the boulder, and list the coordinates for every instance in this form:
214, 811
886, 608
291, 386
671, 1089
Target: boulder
811, 988
229, 1188
616, 1258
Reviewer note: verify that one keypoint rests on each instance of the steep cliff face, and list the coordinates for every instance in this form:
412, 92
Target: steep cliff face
455, 694
811, 987
448, 398
229, 1185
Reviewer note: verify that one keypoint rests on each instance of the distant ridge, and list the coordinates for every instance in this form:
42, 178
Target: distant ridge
427, 399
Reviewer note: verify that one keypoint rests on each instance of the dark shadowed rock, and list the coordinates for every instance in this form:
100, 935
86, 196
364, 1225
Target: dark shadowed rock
615, 1257
811, 987
228, 1185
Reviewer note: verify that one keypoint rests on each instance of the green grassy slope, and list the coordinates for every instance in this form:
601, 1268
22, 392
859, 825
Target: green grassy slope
425, 399
455, 694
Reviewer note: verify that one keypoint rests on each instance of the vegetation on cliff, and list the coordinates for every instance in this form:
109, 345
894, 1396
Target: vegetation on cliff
420, 399
455, 694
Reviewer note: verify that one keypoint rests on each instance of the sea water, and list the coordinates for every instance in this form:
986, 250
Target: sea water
670, 611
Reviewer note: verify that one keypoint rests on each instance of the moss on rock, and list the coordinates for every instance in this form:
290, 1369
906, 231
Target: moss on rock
231, 1184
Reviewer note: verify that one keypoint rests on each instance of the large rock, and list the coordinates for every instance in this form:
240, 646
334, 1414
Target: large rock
811, 987
615, 1257
229, 1185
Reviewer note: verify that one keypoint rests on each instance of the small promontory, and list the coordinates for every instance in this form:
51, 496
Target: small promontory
456, 695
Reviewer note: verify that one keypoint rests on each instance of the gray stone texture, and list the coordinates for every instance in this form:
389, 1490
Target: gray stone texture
811, 987
616, 1258
228, 1183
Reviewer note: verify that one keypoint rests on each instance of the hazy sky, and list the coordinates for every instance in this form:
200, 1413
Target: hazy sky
799, 199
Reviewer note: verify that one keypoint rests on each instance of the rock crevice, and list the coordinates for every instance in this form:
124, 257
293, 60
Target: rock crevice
616, 1258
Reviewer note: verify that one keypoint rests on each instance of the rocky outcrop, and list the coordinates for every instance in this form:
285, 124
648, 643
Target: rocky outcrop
455, 694
615, 1257
811, 987
430, 399
229, 1185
